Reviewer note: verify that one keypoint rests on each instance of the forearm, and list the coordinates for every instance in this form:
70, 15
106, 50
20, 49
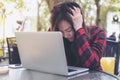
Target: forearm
90, 54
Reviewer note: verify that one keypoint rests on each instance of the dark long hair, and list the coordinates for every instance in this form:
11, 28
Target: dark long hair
61, 12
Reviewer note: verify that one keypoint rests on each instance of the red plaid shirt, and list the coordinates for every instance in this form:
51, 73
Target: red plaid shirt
89, 52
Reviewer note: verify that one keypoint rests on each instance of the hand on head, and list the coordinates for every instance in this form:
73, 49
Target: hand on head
77, 18
70, 12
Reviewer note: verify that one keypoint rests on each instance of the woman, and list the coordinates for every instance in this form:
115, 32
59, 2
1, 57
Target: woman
84, 46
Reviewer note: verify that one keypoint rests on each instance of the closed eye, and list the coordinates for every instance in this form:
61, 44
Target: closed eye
69, 29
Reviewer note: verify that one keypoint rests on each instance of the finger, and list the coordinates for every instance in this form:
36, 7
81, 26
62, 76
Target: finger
72, 10
77, 10
71, 15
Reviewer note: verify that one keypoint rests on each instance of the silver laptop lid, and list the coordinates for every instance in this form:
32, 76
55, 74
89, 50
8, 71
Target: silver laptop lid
43, 51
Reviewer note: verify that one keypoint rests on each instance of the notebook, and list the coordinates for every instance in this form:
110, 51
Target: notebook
44, 51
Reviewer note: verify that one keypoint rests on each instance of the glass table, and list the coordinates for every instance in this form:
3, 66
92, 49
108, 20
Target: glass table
25, 74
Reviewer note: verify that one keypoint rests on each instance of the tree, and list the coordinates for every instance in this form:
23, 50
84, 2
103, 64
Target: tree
3, 11
39, 26
97, 3
110, 7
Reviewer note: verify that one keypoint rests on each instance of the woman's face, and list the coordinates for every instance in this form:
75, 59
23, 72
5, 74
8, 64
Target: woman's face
66, 30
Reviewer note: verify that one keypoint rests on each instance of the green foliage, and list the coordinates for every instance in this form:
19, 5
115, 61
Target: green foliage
113, 1
10, 0
103, 16
1, 5
20, 4
44, 16
86, 5
105, 9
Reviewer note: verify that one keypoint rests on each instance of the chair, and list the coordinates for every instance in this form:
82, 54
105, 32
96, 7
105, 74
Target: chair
112, 50
13, 51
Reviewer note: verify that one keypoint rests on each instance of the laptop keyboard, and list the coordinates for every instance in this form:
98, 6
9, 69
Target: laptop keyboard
70, 70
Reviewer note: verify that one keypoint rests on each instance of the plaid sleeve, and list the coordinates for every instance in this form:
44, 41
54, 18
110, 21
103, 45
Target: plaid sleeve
91, 53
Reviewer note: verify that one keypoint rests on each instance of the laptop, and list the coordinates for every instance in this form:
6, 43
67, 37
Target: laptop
44, 51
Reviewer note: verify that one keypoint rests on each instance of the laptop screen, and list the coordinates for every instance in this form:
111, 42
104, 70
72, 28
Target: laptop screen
42, 51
